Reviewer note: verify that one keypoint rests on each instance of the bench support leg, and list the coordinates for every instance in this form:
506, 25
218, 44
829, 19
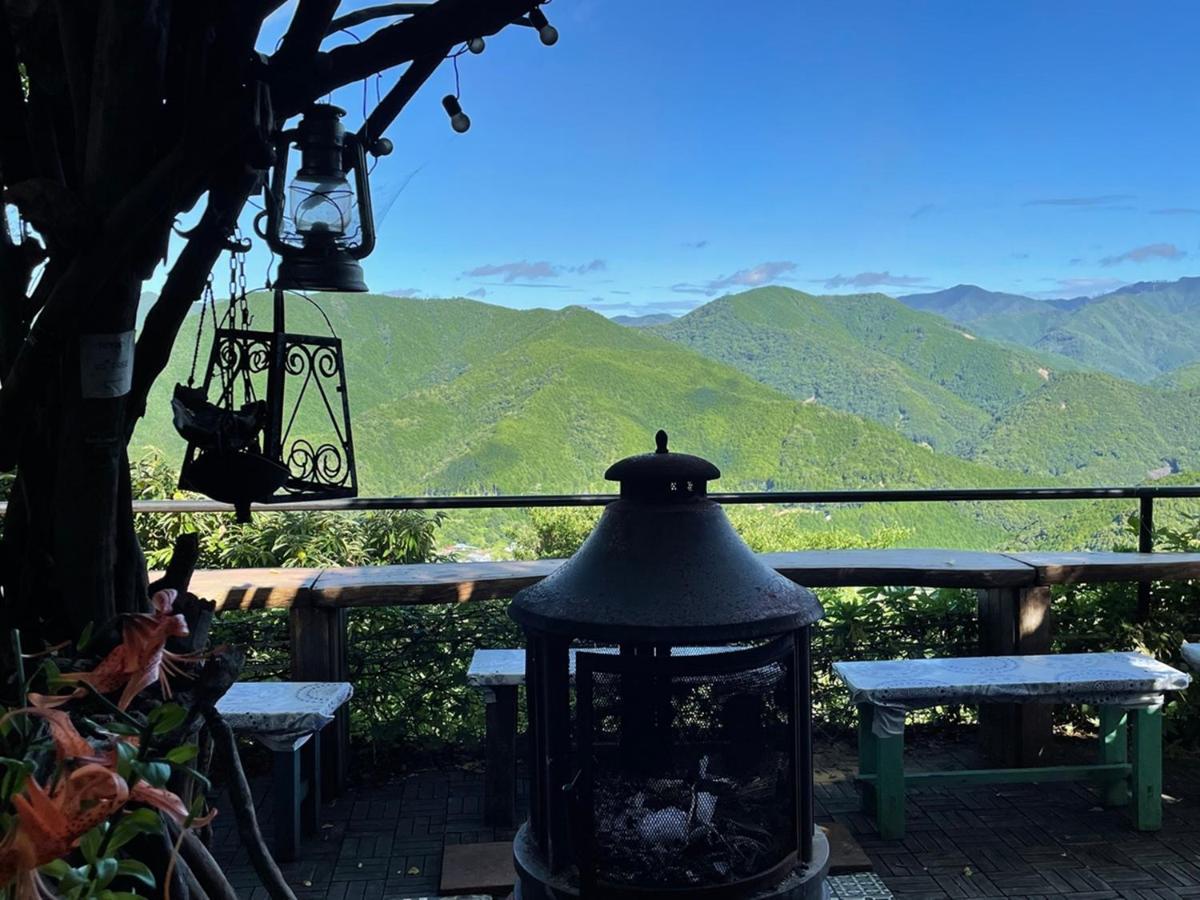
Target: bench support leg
286, 802
1114, 748
868, 761
310, 774
1147, 769
1014, 622
500, 775
882, 757
889, 789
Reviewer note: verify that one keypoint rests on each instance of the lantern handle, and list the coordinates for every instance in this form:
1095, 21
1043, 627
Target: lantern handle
259, 219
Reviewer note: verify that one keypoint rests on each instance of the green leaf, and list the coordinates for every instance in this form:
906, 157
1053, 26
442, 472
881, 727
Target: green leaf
56, 869
106, 870
116, 727
131, 868
85, 636
184, 753
53, 672
89, 844
126, 755
200, 777
155, 773
140, 821
167, 717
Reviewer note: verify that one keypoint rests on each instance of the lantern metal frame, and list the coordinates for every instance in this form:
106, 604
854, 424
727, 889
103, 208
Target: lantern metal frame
325, 147
321, 471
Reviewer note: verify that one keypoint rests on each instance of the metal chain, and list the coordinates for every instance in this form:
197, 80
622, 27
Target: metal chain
206, 299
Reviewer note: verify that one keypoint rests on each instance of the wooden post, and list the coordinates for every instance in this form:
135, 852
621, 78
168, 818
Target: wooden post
1145, 545
317, 642
1014, 621
500, 776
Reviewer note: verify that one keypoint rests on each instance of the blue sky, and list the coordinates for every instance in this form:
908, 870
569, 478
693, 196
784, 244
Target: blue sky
667, 151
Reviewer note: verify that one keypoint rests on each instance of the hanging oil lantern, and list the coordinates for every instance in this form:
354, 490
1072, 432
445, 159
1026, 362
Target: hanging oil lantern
323, 226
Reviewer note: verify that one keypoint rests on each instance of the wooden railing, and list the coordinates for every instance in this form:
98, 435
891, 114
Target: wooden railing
1013, 601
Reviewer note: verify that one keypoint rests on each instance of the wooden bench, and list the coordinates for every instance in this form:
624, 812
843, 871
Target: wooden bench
287, 718
1013, 592
1118, 684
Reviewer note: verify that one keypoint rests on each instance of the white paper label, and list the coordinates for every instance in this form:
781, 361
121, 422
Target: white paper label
105, 365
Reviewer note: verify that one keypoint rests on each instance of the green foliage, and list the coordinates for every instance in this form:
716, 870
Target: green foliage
100, 869
553, 533
888, 623
1102, 617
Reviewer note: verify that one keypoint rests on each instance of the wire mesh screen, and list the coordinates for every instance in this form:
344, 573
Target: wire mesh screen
689, 774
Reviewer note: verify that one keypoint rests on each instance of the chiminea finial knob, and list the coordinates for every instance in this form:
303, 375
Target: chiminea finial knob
660, 442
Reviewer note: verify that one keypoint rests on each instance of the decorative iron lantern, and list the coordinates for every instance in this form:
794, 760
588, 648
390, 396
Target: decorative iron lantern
271, 421
323, 226
681, 766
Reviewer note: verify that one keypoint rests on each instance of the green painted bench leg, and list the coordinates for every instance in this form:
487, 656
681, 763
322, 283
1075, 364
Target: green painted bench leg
1147, 769
889, 786
1114, 748
867, 755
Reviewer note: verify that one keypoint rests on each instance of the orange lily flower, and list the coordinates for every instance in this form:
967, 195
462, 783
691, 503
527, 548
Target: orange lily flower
141, 658
49, 825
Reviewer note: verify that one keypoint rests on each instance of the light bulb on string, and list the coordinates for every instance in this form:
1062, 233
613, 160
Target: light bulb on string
476, 45
458, 119
546, 32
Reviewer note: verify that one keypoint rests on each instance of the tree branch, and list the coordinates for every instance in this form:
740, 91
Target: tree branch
183, 286
442, 24
308, 26
243, 807
367, 13
397, 98
139, 217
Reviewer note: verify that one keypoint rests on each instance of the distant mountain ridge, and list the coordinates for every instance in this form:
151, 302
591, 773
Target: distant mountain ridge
644, 321
868, 354
1139, 331
782, 389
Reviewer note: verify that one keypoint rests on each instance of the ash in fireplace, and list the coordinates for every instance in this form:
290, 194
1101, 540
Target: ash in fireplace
685, 832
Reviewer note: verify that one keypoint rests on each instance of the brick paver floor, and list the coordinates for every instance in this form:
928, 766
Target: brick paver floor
385, 841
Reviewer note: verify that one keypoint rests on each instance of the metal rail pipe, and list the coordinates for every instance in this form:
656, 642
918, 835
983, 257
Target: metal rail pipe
1146, 494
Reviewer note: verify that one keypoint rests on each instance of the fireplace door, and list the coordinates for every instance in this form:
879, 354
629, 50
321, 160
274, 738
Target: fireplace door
687, 769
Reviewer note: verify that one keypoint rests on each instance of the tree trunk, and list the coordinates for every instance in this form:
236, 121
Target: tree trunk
71, 554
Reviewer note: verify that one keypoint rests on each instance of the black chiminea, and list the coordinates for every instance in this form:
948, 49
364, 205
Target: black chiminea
682, 765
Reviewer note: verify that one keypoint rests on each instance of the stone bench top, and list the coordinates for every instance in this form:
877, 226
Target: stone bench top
282, 714
1119, 679
1191, 655
505, 666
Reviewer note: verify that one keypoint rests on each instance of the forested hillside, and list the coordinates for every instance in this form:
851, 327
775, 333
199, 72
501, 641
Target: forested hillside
1138, 332
459, 397
870, 355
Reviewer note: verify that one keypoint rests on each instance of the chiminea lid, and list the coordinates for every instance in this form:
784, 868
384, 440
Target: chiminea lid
671, 476
664, 565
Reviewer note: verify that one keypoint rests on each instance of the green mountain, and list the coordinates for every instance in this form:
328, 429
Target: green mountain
870, 355
1092, 428
644, 321
459, 397
999, 316
455, 396
1184, 377
1137, 332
